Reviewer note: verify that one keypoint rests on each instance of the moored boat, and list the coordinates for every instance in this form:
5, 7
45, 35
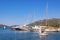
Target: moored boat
42, 31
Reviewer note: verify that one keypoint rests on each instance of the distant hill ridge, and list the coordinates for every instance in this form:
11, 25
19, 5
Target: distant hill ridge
51, 22
2, 25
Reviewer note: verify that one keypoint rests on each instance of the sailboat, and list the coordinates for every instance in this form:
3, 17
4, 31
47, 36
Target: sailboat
42, 29
4, 27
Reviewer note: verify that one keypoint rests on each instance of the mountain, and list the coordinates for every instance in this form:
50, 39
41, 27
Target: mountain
2, 25
47, 22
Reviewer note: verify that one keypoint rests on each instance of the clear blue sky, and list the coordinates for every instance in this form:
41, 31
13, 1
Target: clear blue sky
21, 12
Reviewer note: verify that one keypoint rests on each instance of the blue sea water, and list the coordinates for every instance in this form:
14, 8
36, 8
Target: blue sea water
7, 34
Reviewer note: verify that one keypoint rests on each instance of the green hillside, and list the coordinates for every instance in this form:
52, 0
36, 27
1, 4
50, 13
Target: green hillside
50, 22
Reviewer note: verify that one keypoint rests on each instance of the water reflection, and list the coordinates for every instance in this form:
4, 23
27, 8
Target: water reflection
43, 37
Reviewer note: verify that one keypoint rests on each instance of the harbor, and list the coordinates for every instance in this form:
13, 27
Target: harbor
36, 28
29, 19
42, 30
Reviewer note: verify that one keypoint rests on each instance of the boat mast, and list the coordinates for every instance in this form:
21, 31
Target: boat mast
46, 13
